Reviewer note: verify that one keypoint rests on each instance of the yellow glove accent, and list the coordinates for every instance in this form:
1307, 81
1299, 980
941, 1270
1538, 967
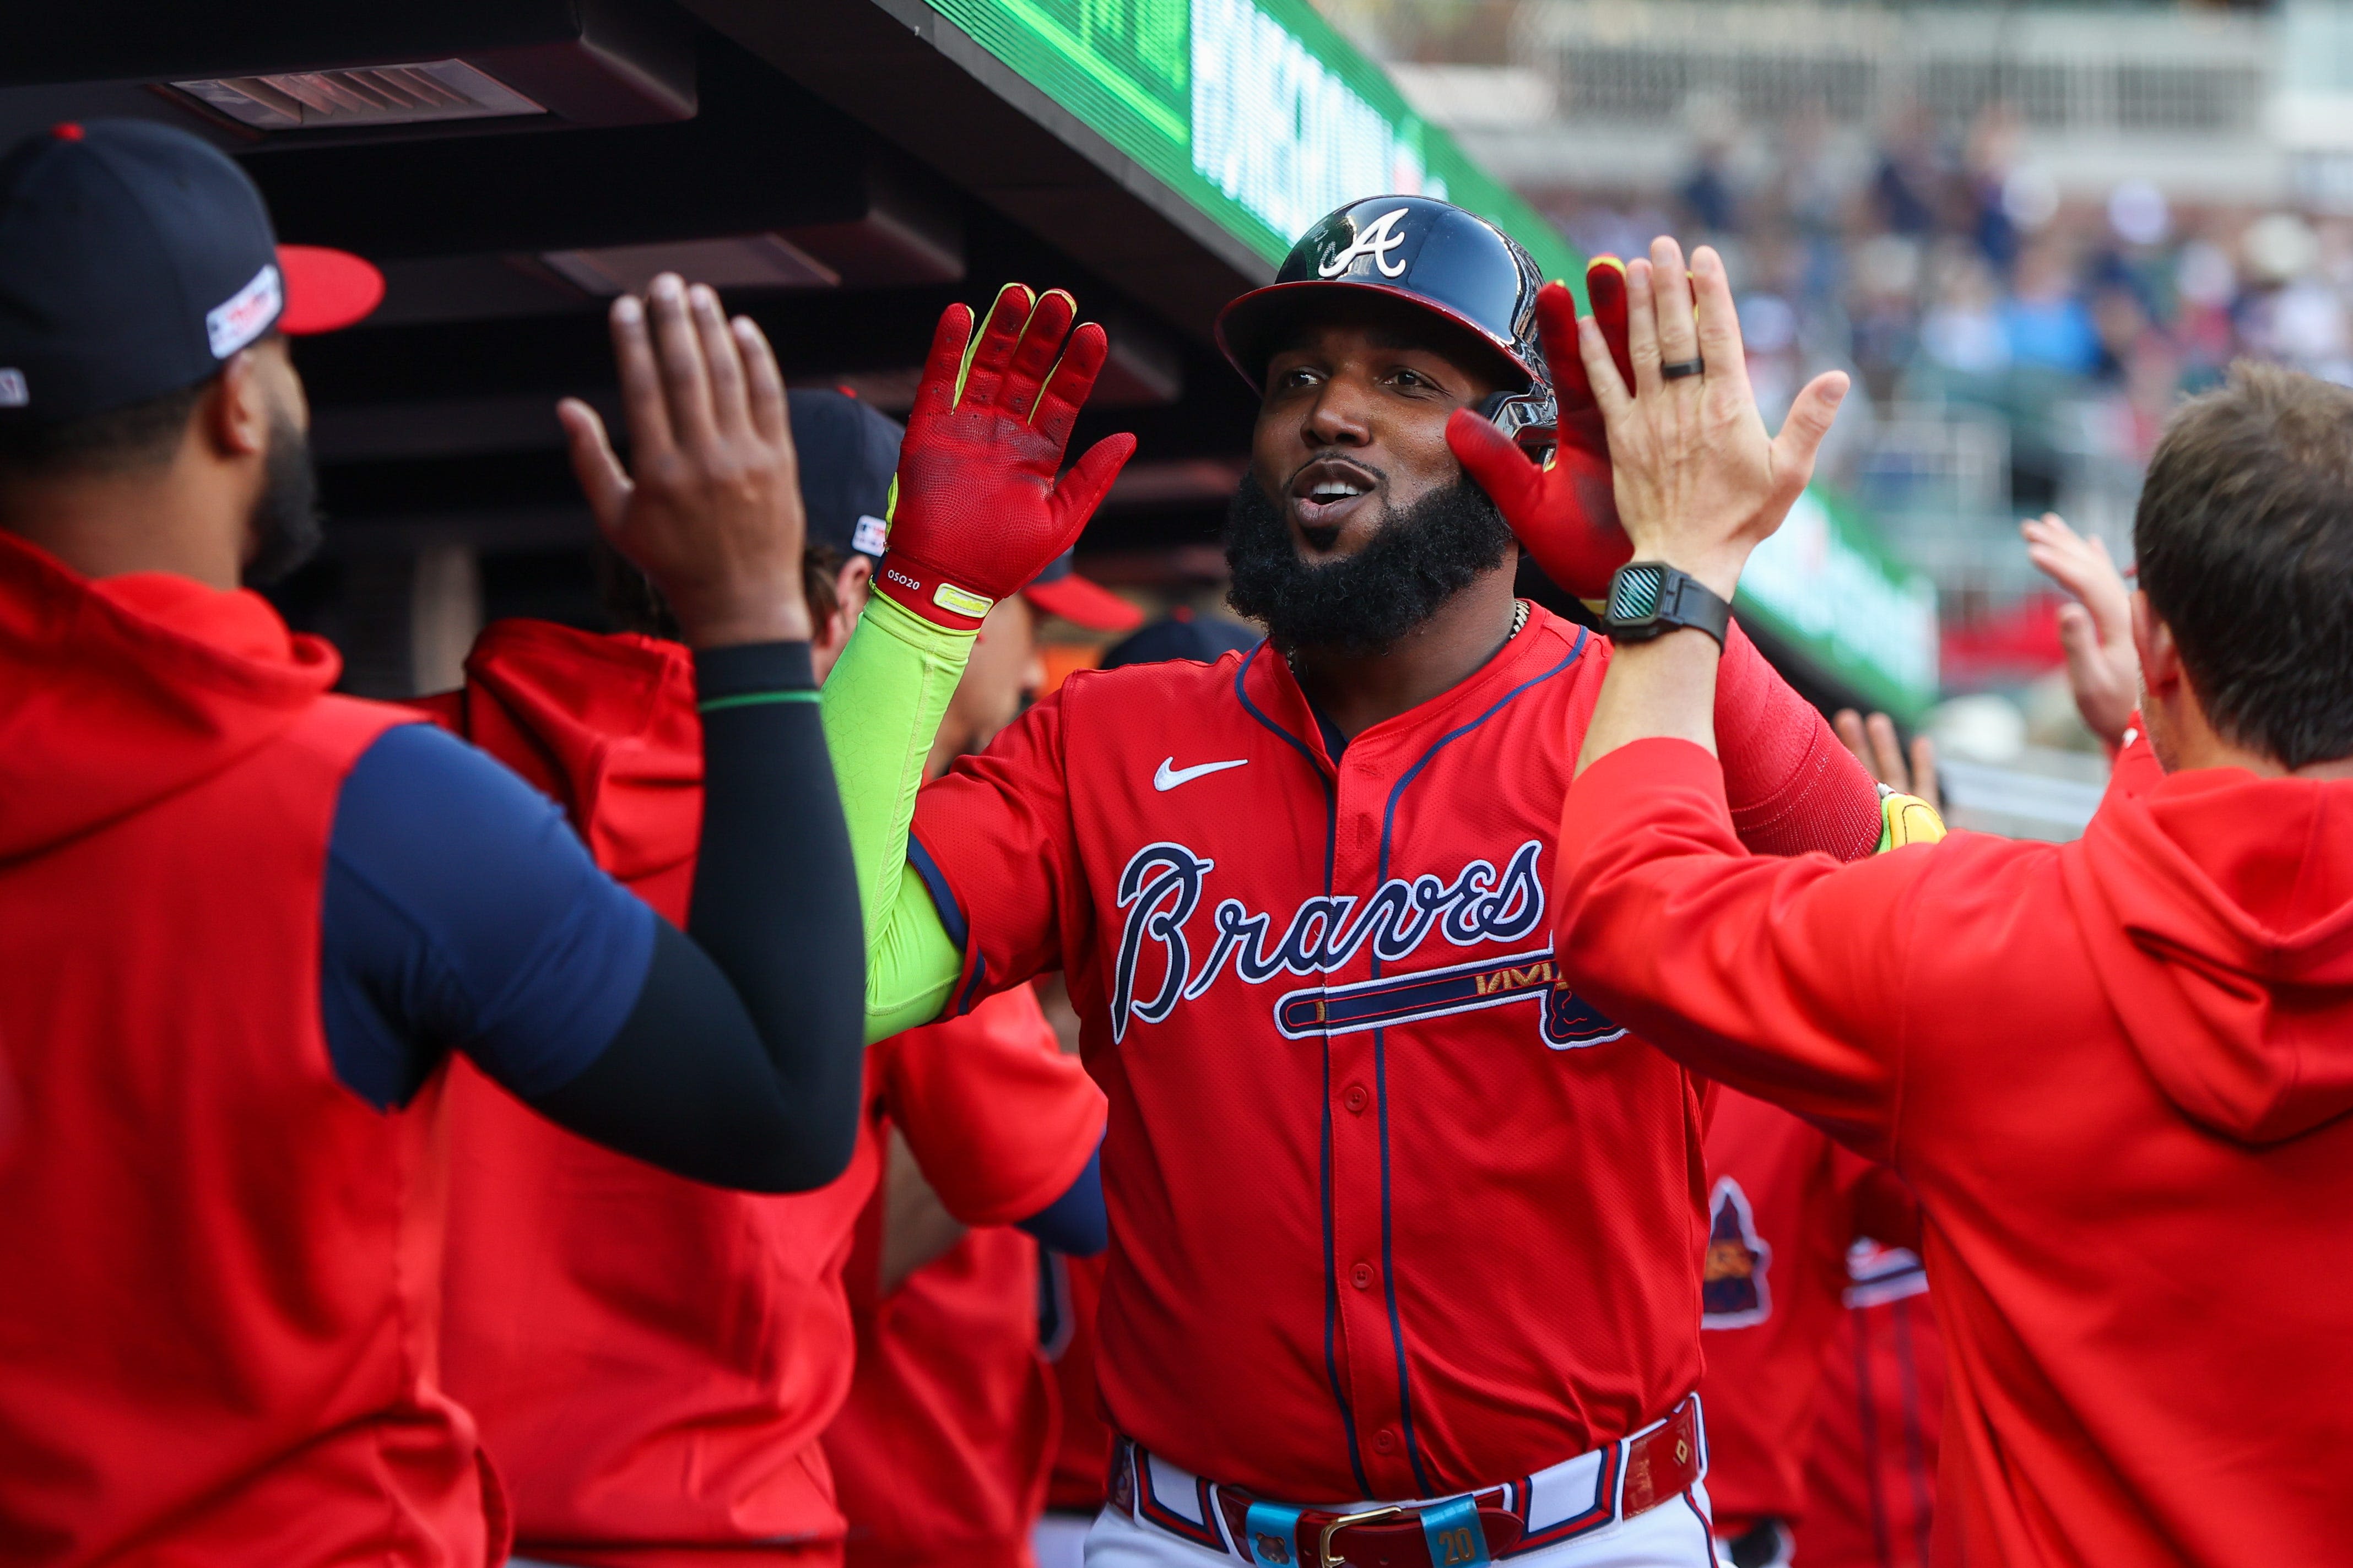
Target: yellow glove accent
1907, 819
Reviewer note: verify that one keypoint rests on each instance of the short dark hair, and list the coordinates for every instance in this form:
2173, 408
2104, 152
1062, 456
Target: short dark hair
2244, 536
136, 436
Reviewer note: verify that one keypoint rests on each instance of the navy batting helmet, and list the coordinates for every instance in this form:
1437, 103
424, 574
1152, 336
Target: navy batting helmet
1431, 254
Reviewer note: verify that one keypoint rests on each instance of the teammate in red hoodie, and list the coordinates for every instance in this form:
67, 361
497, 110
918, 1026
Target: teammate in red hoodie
2116, 1071
247, 922
651, 1360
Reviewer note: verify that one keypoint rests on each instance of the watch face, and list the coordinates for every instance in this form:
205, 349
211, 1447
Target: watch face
1634, 593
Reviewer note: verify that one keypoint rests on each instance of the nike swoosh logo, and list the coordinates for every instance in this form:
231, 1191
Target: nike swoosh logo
1168, 778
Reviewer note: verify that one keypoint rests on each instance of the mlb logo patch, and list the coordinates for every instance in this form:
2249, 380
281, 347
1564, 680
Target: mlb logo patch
1734, 1291
13, 391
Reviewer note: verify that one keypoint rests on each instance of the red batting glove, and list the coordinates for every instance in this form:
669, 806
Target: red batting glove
979, 511
1566, 512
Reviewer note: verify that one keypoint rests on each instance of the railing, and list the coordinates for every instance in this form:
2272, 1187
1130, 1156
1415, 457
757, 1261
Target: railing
2125, 73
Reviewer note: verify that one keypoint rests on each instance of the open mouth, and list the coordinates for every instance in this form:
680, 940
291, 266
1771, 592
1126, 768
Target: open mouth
1326, 493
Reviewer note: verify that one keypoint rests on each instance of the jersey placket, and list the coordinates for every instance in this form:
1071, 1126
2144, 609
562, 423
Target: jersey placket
1363, 1085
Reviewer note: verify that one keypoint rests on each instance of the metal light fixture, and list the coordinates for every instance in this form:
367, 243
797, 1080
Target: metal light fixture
363, 95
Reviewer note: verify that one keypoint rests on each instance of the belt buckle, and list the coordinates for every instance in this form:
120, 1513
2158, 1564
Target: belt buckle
1323, 1558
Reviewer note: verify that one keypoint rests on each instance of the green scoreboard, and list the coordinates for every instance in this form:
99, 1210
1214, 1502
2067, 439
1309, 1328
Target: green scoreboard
1253, 110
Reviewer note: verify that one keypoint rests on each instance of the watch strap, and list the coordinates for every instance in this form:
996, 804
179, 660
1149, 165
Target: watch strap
1682, 600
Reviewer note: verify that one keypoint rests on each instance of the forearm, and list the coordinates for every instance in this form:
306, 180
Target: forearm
775, 885
882, 706
1792, 787
1789, 784
1662, 689
741, 1061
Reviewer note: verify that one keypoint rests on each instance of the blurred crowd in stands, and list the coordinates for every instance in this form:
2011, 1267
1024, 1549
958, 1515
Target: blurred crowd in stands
1946, 270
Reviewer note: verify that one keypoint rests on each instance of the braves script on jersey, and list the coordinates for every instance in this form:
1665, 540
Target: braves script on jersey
1394, 1212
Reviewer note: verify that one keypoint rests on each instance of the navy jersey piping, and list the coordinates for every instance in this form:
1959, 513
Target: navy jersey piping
1881, 1539
1380, 1059
1331, 1269
1915, 1468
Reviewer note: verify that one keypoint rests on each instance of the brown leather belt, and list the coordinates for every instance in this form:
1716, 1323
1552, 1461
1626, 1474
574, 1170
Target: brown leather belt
1661, 1464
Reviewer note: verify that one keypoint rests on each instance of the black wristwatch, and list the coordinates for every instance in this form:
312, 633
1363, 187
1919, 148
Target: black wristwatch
1650, 598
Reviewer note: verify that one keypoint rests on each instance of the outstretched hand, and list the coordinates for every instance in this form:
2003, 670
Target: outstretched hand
1880, 749
1699, 484
712, 512
980, 511
2102, 671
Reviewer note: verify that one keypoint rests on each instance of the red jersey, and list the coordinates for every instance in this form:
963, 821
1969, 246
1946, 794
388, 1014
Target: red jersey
653, 1360
941, 1453
1785, 1204
1871, 1468
2116, 1074
1393, 1212
218, 1325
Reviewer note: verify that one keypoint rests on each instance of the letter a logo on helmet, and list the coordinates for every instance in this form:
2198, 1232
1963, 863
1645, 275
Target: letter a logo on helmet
1376, 242
1434, 256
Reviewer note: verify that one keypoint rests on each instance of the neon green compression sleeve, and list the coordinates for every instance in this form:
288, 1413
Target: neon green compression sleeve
882, 704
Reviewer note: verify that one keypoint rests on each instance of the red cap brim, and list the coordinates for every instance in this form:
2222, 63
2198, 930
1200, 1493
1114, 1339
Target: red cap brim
326, 290
1090, 604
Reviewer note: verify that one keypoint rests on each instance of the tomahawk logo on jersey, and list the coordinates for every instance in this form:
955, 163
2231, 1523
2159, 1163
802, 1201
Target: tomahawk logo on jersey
1734, 1287
1353, 1104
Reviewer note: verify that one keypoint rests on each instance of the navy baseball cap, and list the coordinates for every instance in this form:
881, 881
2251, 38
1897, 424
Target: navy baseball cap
136, 257
1205, 639
849, 454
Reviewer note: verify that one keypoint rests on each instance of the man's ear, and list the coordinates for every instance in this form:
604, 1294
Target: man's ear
235, 419
851, 585
2160, 660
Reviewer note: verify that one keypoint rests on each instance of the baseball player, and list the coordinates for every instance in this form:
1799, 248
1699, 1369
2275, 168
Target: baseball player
2115, 1072
1785, 1207
1404, 1231
652, 1360
1871, 1459
249, 923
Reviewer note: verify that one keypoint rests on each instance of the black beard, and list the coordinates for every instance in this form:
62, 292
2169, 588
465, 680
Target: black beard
285, 521
1421, 556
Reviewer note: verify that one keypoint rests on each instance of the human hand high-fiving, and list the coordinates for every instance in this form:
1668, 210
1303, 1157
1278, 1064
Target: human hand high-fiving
712, 512
2103, 670
980, 511
1698, 482
1563, 511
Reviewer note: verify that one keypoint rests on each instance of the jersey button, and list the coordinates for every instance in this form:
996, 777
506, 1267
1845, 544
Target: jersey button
1356, 1099
1361, 1276
1384, 1440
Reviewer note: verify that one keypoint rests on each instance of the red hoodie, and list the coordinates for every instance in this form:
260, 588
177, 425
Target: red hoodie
218, 1324
652, 1359
2115, 1072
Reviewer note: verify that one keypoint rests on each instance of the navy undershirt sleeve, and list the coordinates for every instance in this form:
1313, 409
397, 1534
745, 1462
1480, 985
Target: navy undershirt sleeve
1076, 1221
461, 913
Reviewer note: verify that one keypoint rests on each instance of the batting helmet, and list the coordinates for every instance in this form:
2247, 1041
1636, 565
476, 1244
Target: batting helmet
1453, 264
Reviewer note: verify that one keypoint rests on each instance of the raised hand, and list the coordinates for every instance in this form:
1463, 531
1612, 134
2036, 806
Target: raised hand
2102, 671
1563, 513
1699, 484
711, 511
1877, 746
980, 511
